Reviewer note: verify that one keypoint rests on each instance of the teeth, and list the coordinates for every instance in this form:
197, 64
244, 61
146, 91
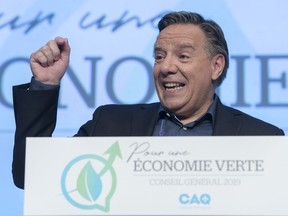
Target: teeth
173, 85
169, 85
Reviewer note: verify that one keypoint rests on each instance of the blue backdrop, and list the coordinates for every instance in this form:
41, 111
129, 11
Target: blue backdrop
111, 58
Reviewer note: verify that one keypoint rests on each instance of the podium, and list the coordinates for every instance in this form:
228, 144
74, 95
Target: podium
157, 176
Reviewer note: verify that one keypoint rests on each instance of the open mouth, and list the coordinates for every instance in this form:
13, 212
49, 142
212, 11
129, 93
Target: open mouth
173, 86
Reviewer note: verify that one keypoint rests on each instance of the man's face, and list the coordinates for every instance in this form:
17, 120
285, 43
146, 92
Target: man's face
183, 71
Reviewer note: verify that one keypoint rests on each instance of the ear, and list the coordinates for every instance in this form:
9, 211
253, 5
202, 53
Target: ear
217, 63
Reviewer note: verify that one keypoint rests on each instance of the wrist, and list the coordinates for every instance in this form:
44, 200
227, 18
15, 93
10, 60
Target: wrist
37, 85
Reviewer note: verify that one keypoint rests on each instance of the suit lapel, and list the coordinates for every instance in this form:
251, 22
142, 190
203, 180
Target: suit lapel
226, 121
144, 119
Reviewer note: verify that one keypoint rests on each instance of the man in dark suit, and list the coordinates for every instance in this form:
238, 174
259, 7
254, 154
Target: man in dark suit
191, 60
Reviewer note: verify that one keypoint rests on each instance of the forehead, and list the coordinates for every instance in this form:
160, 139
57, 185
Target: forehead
181, 34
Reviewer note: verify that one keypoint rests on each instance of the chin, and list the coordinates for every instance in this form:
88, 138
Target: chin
171, 107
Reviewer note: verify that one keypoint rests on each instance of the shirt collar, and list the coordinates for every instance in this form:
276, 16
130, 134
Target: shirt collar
210, 112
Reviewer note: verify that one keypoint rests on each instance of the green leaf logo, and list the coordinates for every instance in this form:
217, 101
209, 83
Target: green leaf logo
89, 184
95, 182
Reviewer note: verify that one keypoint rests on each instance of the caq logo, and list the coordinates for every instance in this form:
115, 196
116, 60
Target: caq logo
194, 199
89, 181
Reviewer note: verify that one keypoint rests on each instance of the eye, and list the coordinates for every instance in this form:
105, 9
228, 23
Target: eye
158, 57
184, 57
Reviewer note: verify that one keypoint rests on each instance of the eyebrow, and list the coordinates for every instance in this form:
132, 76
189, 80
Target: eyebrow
178, 47
157, 48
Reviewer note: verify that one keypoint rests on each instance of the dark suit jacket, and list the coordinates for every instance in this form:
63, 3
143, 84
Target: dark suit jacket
35, 116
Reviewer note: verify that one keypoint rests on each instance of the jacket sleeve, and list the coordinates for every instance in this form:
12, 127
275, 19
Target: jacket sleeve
35, 116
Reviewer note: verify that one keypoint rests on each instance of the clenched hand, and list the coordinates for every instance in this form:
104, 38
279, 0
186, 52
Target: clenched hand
49, 63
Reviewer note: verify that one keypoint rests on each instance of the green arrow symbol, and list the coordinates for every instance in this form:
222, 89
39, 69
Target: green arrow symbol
113, 152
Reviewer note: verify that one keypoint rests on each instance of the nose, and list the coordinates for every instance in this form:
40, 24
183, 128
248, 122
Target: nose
168, 66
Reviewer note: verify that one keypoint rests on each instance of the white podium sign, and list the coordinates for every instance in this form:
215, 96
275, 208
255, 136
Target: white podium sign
156, 176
